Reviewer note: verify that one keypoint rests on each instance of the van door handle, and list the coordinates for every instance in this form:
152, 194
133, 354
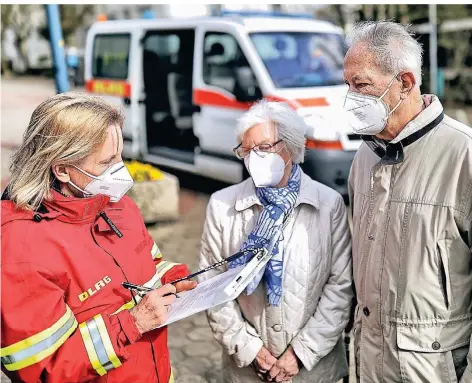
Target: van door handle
127, 101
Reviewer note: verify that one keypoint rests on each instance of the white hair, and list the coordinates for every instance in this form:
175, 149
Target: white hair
393, 45
289, 126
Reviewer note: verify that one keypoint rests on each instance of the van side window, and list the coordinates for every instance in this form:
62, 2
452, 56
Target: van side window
223, 59
111, 56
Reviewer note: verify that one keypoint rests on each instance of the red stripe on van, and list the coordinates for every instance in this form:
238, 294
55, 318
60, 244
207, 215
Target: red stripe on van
213, 98
301, 102
205, 97
109, 87
293, 103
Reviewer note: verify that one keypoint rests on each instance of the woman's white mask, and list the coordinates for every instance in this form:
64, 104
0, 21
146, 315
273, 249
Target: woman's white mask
267, 170
113, 182
368, 114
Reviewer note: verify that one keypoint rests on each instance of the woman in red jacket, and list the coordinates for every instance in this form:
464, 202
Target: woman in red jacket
70, 237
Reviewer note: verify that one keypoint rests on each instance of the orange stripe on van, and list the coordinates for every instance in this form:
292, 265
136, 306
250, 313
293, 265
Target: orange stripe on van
109, 87
211, 98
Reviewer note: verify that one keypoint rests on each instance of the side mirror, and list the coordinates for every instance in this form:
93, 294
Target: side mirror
246, 88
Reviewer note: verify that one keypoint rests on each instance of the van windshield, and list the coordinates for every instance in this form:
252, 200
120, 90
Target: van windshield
301, 59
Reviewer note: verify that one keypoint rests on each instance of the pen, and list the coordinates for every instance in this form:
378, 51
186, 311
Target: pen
142, 290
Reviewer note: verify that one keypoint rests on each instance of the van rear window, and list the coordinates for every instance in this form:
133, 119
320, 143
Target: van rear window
111, 56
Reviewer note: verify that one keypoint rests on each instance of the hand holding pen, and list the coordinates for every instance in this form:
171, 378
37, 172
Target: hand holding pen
152, 309
180, 286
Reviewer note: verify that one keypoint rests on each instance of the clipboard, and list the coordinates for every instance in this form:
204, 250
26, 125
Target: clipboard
223, 287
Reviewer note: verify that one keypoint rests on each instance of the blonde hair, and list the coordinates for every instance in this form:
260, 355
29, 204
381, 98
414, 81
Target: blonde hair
64, 129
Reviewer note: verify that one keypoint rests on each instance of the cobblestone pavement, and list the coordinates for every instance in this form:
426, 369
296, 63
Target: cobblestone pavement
195, 355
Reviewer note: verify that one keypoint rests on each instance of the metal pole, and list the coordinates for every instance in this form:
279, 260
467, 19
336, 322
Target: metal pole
433, 48
57, 48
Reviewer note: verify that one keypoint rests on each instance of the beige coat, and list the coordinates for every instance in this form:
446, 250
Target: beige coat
317, 284
412, 238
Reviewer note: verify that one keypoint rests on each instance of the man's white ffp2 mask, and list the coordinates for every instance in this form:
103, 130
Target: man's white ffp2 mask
368, 114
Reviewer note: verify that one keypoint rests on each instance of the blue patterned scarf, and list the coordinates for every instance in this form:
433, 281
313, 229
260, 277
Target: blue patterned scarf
278, 204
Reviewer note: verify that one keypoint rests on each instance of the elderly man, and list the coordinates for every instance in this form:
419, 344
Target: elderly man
411, 196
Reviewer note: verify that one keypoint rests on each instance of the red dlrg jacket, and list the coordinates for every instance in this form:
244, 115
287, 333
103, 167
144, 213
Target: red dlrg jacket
64, 311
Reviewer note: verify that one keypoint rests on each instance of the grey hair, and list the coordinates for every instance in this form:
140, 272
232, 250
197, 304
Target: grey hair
289, 126
393, 45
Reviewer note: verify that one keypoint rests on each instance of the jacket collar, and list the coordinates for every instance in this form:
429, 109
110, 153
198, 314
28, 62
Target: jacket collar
432, 111
248, 197
392, 152
74, 209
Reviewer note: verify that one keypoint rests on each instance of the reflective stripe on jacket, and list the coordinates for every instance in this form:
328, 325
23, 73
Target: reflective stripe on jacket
64, 311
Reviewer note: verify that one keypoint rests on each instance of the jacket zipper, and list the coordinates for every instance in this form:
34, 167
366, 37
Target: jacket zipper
111, 224
113, 227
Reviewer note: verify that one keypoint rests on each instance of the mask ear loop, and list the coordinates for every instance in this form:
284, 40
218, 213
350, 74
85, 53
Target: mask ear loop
386, 91
86, 173
389, 86
86, 194
395, 108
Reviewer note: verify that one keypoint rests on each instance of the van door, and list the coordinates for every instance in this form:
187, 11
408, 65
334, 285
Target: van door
224, 88
167, 68
108, 73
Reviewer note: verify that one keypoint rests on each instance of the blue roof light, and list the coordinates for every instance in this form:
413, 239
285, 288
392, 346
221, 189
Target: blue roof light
265, 14
148, 14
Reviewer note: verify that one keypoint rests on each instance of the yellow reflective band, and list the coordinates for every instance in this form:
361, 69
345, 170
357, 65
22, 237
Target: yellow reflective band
155, 252
43, 354
163, 267
126, 306
39, 337
102, 329
93, 357
171, 379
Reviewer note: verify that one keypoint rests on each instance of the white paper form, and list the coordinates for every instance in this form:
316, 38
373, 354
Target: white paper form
208, 294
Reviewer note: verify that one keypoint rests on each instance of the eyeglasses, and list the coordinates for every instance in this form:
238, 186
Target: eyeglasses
262, 150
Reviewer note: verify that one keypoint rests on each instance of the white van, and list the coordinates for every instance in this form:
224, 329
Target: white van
184, 83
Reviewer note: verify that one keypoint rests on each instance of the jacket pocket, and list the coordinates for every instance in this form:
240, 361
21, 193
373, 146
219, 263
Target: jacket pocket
459, 358
431, 353
444, 275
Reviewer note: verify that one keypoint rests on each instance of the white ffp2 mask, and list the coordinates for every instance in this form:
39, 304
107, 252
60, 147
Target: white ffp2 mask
266, 171
367, 114
113, 182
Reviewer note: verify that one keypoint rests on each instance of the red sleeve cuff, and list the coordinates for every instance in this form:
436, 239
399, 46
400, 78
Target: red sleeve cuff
128, 326
177, 272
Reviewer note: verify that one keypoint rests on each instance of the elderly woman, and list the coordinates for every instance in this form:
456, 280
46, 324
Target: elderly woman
288, 324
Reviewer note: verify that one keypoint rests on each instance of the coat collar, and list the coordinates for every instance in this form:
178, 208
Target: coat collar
392, 152
74, 209
432, 111
247, 196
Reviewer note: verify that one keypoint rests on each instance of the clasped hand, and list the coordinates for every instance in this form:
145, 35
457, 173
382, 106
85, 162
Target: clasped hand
269, 369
